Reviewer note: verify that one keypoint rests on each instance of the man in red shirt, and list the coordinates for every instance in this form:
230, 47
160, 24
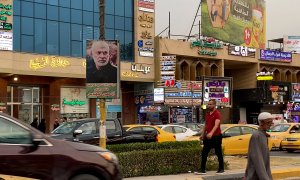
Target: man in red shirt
212, 137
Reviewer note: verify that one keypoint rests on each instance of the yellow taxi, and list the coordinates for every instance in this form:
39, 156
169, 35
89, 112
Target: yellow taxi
139, 130
291, 142
280, 131
236, 138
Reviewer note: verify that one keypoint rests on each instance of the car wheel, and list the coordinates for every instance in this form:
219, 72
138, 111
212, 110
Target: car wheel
290, 150
85, 177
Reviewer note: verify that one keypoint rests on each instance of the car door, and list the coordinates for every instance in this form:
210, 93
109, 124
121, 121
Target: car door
150, 134
179, 132
114, 131
17, 155
232, 141
135, 135
246, 135
89, 134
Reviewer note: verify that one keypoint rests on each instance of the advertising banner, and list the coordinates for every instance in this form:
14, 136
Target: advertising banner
73, 100
291, 44
270, 55
6, 20
102, 69
240, 22
296, 92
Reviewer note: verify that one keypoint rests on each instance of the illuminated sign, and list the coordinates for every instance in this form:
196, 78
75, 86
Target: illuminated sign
52, 61
140, 68
264, 76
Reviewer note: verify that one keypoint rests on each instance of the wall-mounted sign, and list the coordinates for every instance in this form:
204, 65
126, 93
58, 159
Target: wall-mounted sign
167, 68
241, 51
278, 92
291, 44
159, 96
296, 92
5, 11
5, 26
146, 5
270, 55
140, 68
143, 94
218, 89
52, 61
129, 74
205, 47
6, 41
73, 100
264, 76
145, 109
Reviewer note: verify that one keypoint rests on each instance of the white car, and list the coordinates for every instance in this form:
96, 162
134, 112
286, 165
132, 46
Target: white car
180, 132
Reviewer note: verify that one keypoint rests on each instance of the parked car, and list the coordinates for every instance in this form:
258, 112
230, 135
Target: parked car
147, 133
193, 126
26, 152
280, 131
180, 132
87, 131
236, 138
291, 142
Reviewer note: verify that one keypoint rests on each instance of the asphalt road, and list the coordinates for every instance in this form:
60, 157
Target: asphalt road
295, 154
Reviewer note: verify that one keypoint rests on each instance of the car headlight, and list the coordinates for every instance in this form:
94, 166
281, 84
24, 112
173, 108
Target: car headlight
109, 156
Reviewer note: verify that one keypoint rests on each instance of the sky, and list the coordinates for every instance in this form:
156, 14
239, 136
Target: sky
282, 17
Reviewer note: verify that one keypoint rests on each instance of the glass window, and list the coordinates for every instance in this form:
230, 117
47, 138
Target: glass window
129, 8
27, 43
179, 130
76, 16
52, 37
40, 36
88, 128
280, 128
96, 33
17, 34
128, 46
109, 21
27, 9
24, 94
16, 8
53, 2
40, 11
27, 26
87, 34
76, 48
96, 5
110, 7
119, 22
96, 19
52, 12
168, 129
119, 7
149, 130
76, 4
247, 130
88, 5
88, 18
64, 14
119, 35
64, 3
128, 24
65, 39
41, 1
76, 32
136, 130
11, 133
110, 34
234, 131
65, 128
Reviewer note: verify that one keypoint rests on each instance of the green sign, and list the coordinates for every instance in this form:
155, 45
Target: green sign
73, 102
100, 90
5, 26
6, 7
203, 44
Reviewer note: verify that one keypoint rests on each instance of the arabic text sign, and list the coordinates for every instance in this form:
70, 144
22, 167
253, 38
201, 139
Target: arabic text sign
240, 22
6, 41
291, 44
73, 100
270, 55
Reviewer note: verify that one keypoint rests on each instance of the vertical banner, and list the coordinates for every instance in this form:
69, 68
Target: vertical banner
240, 22
102, 69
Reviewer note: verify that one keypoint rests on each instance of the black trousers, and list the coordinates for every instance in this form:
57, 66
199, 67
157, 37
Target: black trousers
216, 143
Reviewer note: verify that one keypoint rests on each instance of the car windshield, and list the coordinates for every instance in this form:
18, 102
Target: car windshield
280, 128
125, 128
65, 128
223, 127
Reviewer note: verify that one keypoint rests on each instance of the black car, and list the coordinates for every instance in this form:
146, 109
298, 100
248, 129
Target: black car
26, 152
87, 131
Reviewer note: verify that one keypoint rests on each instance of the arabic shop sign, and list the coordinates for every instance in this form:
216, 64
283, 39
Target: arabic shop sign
270, 55
140, 68
204, 44
264, 76
73, 100
5, 10
241, 51
52, 61
146, 5
296, 92
5, 26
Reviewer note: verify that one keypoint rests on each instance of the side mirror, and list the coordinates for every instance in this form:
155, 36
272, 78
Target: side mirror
293, 131
77, 132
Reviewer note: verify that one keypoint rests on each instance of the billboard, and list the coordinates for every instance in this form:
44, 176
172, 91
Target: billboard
102, 69
240, 22
73, 100
271, 55
291, 44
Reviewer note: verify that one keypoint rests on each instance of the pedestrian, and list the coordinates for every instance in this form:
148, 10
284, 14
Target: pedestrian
35, 123
42, 125
56, 123
212, 137
100, 69
258, 166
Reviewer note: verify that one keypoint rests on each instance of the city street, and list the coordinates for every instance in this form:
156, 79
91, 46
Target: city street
296, 154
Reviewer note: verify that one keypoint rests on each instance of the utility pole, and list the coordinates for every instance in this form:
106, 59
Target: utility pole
102, 106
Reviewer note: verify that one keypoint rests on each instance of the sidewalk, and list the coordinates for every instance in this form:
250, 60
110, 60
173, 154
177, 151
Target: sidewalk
282, 168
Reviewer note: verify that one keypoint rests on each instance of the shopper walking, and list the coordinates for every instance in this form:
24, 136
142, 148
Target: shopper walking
258, 167
212, 137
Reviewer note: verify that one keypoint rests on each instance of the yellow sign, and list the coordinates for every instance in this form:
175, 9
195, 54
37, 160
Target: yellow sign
130, 74
52, 61
264, 78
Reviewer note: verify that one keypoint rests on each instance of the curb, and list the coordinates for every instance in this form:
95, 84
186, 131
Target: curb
286, 173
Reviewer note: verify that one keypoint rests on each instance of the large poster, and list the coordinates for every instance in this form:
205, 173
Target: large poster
291, 44
73, 100
240, 22
102, 69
